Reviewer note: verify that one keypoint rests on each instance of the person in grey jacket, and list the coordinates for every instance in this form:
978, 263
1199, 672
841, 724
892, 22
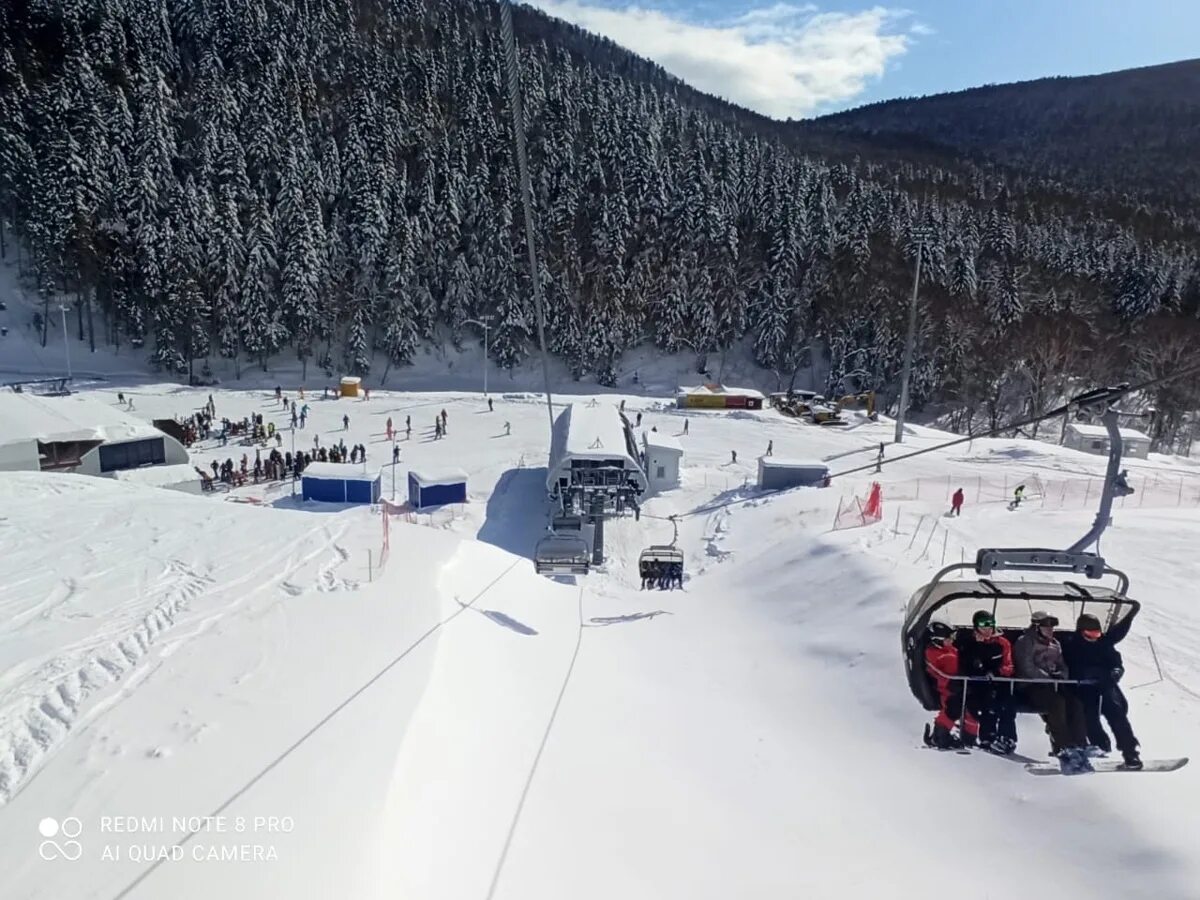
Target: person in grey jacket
1038, 654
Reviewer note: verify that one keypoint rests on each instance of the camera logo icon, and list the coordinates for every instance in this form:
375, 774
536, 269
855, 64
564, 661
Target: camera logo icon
68, 828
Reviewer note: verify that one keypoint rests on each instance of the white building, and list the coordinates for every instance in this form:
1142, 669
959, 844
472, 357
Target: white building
1094, 439
79, 433
664, 456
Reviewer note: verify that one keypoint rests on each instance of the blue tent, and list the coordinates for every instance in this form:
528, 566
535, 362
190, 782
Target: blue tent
435, 487
339, 483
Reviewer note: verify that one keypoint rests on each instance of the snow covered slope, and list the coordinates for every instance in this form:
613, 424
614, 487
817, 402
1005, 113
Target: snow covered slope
453, 726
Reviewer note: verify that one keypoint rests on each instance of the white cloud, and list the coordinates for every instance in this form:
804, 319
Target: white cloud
782, 60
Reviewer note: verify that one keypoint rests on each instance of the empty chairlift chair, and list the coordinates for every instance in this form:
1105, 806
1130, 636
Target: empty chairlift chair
562, 554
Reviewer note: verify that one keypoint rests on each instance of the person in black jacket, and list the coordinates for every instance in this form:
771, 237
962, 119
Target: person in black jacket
985, 652
1092, 655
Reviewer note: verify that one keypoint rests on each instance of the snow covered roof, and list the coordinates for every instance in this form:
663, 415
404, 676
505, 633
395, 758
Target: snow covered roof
338, 472
587, 431
780, 462
1099, 431
351, 379
720, 389
157, 476
428, 476
595, 432
79, 417
661, 441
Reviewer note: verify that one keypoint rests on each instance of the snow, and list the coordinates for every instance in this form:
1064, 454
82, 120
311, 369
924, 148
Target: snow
446, 724
1099, 431
27, 417
338, 472
430, 476
158, 476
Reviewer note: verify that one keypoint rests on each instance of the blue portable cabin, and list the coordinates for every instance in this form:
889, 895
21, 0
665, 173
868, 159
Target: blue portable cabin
339, 483
436, 487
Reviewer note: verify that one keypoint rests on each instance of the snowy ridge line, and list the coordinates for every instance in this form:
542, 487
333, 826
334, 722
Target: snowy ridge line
33, 732
512, 829
328, 717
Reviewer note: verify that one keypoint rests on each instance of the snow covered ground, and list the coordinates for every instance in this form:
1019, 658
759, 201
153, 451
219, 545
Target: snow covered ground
453, 726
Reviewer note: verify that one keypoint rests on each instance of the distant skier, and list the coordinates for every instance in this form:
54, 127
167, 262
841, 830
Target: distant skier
120, 398
1091, 655
389, 428
507, 429
685, 426
395, 454
345, 423
490, 404
770, 448
1018, 496
956, 503
733, 456
639, 418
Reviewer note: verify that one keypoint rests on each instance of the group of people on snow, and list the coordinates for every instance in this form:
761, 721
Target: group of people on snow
965, 663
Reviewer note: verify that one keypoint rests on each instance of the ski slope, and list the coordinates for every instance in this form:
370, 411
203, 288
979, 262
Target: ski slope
453, 726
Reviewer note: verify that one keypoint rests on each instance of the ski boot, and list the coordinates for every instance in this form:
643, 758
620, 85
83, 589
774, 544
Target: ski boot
1002, 746
941, 738
1095, 751
1132, 759
1074, 761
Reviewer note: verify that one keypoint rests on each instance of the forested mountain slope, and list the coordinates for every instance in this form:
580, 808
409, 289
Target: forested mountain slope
332, 179
1134, 132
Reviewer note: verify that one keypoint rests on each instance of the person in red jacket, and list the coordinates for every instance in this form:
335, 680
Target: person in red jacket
956, 503
941, 661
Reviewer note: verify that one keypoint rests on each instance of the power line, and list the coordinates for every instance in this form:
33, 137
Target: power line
518, 116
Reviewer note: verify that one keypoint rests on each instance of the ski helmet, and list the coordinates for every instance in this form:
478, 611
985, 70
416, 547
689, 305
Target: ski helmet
983, 619
940, 631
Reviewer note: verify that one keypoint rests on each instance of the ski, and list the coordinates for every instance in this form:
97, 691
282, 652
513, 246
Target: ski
1111, 765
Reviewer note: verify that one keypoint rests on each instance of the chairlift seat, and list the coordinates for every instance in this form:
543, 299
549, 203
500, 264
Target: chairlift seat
562, 554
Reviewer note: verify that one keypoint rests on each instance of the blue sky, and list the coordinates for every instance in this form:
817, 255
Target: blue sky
798, 58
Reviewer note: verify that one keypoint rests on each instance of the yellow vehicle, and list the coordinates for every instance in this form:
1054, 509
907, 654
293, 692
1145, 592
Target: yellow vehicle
864, 401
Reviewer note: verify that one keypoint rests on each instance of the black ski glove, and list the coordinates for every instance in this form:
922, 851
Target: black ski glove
1117, 673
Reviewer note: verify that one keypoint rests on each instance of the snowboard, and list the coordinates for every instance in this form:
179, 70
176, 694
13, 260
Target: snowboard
1111, 765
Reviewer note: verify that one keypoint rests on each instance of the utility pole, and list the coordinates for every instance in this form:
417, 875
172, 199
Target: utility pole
66, 340
482, 321
920, 235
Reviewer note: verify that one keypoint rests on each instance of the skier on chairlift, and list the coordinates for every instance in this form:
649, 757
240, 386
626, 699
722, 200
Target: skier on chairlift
1039, 656
941, 661
1091, 655
984, 651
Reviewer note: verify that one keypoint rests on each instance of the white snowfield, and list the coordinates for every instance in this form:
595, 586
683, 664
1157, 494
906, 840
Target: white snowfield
223, 699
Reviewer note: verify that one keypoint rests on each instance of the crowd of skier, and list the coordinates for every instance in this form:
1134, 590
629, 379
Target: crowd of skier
662, 575
1071, 683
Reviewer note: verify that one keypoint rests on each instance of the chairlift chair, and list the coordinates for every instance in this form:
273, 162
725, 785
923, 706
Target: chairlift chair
952, 598
562, 554
656, 556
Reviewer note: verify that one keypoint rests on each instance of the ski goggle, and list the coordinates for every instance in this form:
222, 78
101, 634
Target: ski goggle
986, 623
1092, 634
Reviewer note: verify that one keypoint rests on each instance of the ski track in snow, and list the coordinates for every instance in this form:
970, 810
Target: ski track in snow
43, 704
